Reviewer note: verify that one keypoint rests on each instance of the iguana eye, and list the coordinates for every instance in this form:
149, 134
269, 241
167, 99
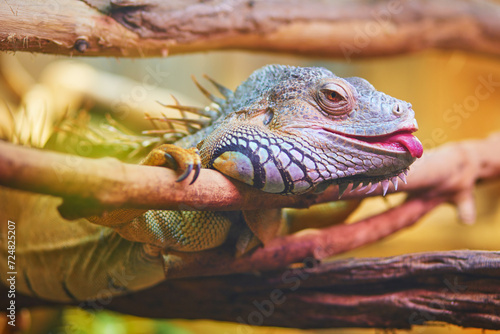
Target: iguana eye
333, 96
334, 99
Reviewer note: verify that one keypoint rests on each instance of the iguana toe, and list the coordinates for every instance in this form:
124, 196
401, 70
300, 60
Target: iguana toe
176, 158
185, 174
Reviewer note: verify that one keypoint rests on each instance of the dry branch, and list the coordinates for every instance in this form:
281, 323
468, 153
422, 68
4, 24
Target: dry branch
103, 184
457, 287
327, 28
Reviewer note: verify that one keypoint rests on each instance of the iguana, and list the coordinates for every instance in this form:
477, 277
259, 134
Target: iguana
286, 130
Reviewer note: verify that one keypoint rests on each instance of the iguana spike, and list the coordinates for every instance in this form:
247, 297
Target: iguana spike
355, 184
117, 125
342, 188
182, 111
183, 121
176, 101
153, 123
164, 131
385, 186
200, 122
193, 110
364, 186
372, 189
226, 92
170, 125
402, 177
189, 123
394, 181
205, 92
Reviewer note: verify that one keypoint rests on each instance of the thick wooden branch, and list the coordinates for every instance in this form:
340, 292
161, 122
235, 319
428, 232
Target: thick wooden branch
95, 185
457, 287
327, 28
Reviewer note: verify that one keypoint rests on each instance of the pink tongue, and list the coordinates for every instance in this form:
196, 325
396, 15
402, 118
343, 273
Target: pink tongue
410, 142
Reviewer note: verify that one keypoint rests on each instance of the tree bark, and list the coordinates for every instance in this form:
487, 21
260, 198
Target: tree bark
154, 28
455, 287
91, 186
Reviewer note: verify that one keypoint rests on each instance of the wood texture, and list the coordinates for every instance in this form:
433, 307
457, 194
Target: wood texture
151, 28
91, 186
456, 287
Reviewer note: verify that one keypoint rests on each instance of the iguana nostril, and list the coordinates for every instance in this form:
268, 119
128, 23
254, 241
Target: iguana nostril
398, 109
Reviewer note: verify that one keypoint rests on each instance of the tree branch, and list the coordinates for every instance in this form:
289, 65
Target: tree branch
325, 28
91, 186
459, 287
456, 287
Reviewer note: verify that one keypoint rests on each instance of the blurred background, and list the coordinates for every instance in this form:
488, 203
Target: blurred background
448, 91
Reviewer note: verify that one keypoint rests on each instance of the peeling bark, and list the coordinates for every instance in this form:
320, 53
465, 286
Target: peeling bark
154, 28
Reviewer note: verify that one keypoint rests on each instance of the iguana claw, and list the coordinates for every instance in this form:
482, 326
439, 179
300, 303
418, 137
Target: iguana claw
186, 173
196, 173
176, 158
171, 161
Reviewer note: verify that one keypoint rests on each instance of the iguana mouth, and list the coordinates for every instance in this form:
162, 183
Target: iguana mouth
399, 141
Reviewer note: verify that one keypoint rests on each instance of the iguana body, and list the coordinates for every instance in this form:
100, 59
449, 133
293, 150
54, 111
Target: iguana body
286, 130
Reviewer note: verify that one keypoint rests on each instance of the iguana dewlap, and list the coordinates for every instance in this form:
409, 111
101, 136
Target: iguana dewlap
286, 130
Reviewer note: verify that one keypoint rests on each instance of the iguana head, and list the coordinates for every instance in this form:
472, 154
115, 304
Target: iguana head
289, 130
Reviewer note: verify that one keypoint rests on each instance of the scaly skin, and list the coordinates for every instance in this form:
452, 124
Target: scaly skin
285, 130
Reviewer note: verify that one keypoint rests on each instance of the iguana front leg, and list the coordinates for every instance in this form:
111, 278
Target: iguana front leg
176, 230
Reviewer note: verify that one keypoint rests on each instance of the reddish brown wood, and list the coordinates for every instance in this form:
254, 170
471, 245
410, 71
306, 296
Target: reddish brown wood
457, 287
